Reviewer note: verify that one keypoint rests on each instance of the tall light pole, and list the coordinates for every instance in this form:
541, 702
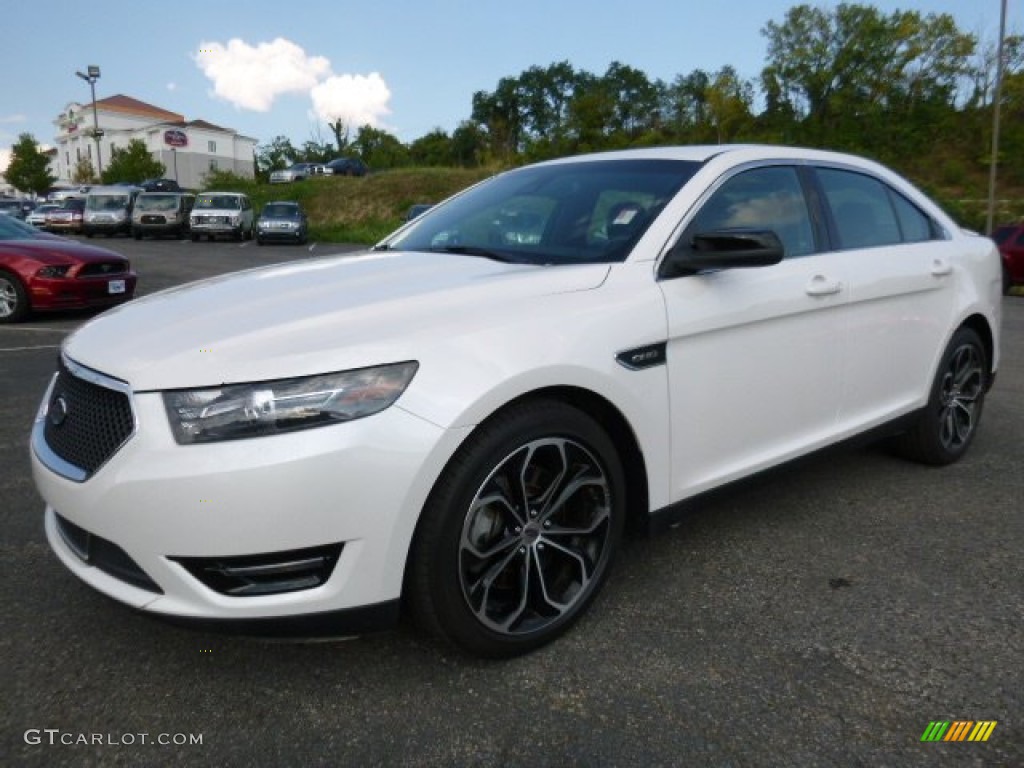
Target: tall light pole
990, 221
91, 78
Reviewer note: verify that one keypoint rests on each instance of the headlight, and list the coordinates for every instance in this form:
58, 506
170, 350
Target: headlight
60, 271
236, 411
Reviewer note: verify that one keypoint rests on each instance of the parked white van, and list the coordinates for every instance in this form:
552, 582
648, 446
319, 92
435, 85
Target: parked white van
161, 213
108, 210
222, 213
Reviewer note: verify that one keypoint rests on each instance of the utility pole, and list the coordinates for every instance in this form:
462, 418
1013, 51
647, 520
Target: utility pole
91, 78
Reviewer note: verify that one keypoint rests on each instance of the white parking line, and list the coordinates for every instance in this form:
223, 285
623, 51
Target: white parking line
22, 349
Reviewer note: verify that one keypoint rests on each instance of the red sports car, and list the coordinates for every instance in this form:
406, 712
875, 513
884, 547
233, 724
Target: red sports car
1010, 240
39, 271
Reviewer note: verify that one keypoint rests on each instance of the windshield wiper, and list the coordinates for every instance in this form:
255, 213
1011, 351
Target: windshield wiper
475, 250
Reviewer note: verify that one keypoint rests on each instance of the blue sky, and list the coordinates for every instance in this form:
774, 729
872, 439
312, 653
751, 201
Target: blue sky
406, 66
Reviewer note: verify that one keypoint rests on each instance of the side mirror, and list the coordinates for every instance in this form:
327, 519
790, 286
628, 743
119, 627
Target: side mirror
723, 249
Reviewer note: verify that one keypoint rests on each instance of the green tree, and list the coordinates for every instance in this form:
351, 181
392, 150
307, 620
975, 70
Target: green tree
341, 131
83, 173
434, 149
729, 99
278, 154
855, 78
468, 144
380, 149
132, 164
29, 169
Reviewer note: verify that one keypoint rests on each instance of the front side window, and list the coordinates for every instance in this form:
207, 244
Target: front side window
561, 213
762, 198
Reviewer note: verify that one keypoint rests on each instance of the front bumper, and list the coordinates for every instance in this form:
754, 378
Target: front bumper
360, 485
105, 227
282, 234
80, 293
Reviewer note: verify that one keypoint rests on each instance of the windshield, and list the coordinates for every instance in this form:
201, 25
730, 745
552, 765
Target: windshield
156, 203
563, 213
14, 229
219, 202
280, 211
106, 202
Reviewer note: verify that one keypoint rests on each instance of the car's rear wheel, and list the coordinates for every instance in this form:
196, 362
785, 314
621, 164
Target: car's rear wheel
520, 532
945, 428
13, 299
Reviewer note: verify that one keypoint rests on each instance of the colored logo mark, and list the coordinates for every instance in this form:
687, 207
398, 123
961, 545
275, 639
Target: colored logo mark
959, 730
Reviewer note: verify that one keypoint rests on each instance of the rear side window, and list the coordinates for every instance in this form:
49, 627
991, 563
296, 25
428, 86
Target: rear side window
861, 209
914, 225
762, 198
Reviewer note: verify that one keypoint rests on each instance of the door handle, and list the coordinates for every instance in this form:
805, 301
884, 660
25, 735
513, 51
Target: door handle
941, 267
820, 285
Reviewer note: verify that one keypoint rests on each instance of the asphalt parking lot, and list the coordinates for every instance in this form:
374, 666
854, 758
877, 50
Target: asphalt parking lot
822, 616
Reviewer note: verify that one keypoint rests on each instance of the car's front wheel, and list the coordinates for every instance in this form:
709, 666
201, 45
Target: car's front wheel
13, 299
945, 428
520, 532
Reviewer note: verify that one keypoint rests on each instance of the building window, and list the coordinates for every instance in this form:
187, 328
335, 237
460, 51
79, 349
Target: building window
88, 148
211, 146
78, 154
213, 164
67, 159
113, 146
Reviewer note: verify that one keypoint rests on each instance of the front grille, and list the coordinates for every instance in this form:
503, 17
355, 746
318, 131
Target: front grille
152, 218
102, 268
267, 574
105, 555
86, 423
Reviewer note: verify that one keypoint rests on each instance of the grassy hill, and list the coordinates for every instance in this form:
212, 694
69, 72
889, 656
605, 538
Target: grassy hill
364, 210
358, 210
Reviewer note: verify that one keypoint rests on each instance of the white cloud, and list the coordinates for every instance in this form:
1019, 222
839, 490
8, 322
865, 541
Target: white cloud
172, 86
19, 118
251, 77
356, 99
5, 159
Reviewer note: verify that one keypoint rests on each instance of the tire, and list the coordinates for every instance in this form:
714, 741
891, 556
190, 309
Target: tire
943, 431
500, 567
137, 234
1007, 283
13, 299
260, 241
195, 238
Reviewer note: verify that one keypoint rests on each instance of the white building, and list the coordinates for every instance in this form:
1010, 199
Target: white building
189, 149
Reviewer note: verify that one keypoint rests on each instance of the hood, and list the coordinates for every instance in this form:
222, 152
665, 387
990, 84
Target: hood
57, 250
311, 317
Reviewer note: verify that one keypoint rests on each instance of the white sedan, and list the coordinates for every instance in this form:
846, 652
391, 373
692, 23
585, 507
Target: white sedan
461, 421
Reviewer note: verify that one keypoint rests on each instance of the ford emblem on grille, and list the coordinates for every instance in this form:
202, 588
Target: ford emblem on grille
58, 411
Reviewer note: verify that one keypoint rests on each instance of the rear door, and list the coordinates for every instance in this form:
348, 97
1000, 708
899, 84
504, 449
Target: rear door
901, 277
